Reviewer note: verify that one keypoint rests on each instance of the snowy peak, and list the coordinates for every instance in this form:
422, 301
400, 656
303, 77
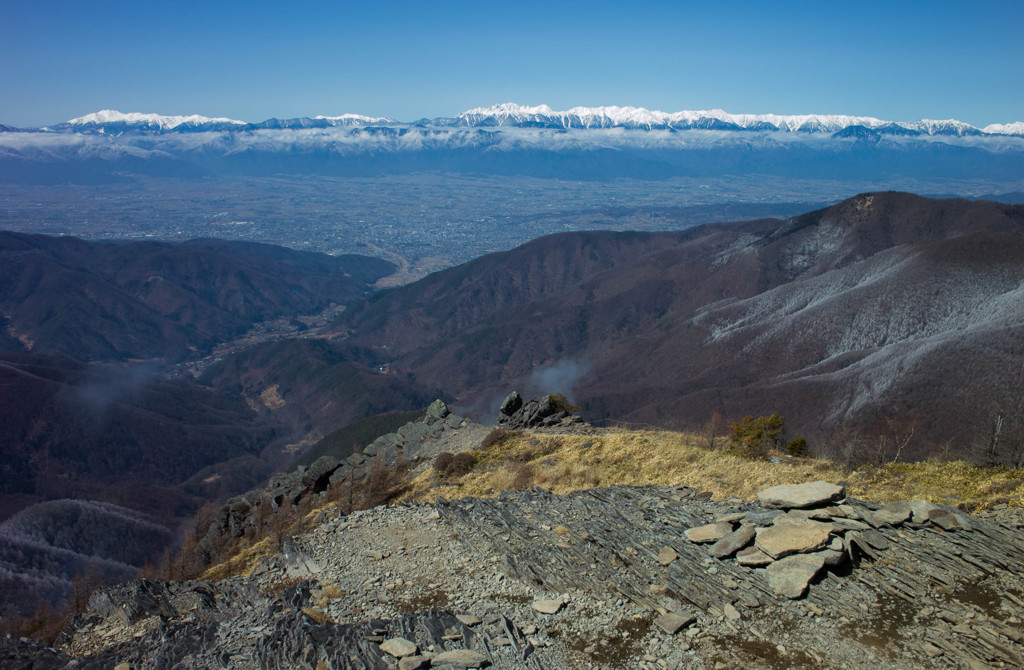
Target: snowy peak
1016, 128
113, 117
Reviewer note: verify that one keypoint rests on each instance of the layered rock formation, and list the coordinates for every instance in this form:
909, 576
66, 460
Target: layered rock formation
605, 578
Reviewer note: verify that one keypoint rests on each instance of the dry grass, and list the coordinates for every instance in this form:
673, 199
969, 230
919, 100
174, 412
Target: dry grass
241, 563
316, 614
564, 463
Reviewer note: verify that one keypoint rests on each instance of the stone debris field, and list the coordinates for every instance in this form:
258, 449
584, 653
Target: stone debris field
621, 577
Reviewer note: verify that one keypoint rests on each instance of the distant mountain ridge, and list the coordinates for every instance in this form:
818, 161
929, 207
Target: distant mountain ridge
591, 144
543, 116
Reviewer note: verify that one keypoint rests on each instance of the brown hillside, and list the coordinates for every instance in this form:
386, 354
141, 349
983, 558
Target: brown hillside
887, 306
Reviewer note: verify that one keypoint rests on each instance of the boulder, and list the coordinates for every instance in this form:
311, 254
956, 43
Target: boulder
338, 476
791, 575
437, 411
511, 404
801, 496
318, 476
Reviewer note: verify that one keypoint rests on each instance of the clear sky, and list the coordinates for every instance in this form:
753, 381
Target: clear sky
895, 60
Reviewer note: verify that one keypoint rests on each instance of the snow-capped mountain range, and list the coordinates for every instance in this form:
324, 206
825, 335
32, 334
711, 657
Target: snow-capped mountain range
715, 119
591, 143
543, 116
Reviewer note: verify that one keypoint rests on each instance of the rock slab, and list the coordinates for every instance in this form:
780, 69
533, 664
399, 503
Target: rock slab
791, 575
398, 647
733, 542
460, 658
673, 622
712, 532
547, 606
793, 537
801, 496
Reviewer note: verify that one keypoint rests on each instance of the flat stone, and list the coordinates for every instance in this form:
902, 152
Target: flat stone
752, 557
733, 542
398, 647
667, 555
833, 558
731, 613
468, 619
848, 524
547, 606
931, 650
413, 663
673, 622
921, 509
731, 518
885, 517
790, 576
460, 658
947, 520
764, 518
875, 539
853, 540
900, 508
712, 532
816, 514
793, 537
800, 496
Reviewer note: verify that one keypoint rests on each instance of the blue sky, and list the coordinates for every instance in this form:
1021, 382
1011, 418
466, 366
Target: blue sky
895, 60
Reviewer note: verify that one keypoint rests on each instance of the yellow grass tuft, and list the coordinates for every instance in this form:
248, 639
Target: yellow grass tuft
241, 563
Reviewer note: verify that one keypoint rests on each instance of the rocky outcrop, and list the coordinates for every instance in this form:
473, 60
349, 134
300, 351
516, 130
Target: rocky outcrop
412, 441
542, 412
438, 430
599, 578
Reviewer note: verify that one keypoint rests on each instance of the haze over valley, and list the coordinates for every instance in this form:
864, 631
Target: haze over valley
438, 192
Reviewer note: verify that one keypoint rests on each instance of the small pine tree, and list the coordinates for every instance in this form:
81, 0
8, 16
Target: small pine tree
754, 438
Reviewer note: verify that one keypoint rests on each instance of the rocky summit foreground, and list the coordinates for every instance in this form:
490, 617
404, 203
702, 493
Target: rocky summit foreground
621, 577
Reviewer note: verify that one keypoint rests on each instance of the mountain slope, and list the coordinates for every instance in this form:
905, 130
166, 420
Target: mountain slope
149, 299
312, 386
876, 308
